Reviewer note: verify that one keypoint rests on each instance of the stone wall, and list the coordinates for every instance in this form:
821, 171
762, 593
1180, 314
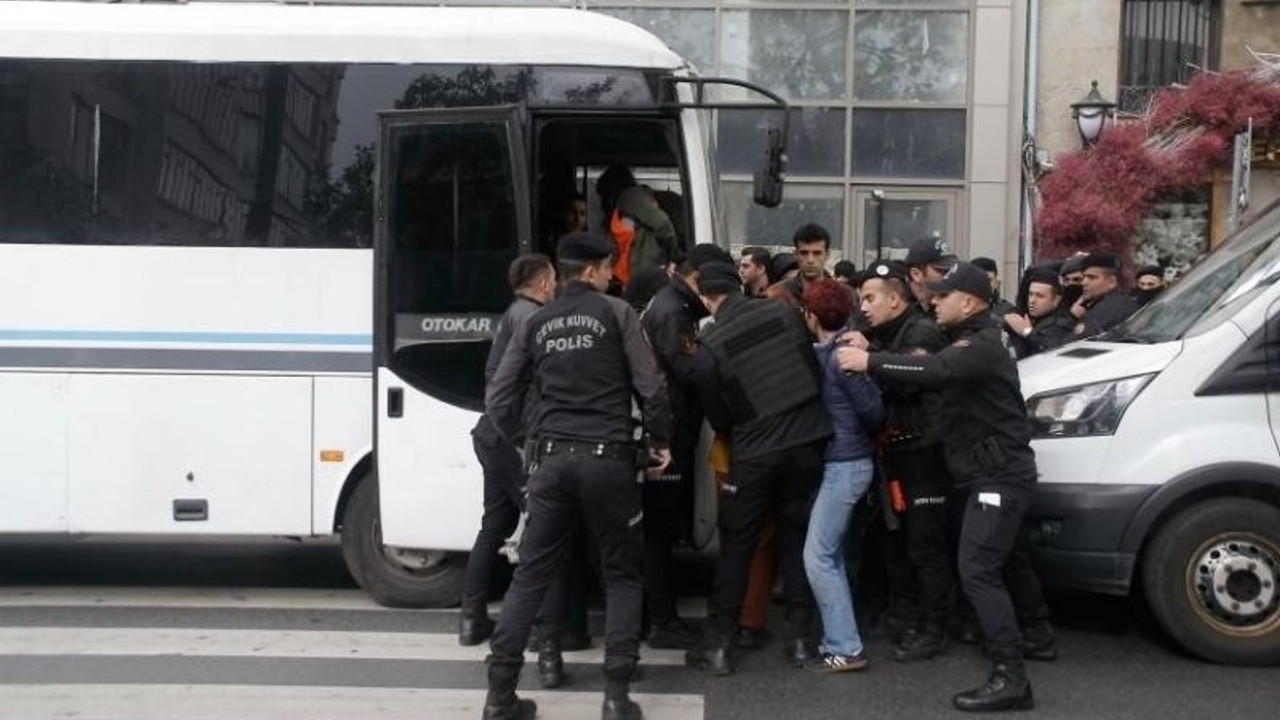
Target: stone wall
1175, 234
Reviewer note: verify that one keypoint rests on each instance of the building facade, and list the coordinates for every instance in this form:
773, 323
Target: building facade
905, 123
1133, 49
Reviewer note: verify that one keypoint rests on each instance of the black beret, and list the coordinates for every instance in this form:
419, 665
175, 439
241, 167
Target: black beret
986, 264
781, 264
1044, 275
966, 278
885, 269
718, 278
585, 246
1107, 261
1073, 264
704, 253
928, 251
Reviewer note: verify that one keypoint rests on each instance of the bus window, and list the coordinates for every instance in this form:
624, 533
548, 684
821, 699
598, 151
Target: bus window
574, 152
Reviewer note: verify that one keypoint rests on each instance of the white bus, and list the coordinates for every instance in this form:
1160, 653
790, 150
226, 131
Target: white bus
219, 221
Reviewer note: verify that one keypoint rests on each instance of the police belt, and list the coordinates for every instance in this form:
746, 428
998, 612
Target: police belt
624, 451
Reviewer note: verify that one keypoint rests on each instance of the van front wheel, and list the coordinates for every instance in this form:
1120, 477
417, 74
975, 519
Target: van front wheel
1212, 578
395, 577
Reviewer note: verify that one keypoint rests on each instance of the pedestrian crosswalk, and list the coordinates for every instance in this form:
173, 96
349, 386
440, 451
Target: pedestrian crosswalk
218, 654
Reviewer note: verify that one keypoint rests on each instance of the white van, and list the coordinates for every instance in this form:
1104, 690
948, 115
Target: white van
1157, 450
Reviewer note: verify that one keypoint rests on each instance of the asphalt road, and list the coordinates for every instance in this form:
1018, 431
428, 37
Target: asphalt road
218, 629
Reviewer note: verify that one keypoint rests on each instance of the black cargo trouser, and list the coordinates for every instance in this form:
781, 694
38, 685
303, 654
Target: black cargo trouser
995, 570
926, 485
504, 480
668, 507
566, 492
784, 482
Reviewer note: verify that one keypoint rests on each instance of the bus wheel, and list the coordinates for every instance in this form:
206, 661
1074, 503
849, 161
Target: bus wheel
1211, 578
395, 577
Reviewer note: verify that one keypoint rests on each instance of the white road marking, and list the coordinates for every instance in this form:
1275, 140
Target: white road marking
201, 642
257, 702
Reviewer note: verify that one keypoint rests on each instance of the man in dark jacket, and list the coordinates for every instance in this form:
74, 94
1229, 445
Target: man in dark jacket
988, 448
760, 385
588, 360
1047, 325
671, 322
1103, 304
533, 279
912, 453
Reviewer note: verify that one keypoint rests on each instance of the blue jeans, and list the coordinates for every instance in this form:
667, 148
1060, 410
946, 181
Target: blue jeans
843, 484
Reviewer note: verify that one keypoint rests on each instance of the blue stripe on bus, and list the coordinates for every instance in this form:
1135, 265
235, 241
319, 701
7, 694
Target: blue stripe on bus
190, 337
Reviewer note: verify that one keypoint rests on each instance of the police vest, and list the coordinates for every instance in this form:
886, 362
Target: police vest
764, 360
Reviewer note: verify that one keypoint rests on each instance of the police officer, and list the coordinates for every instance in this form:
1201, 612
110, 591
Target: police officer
1102, 304
913, 456
533, 279
1047, 324
927, 258
988, 448
586, 358
760, 385
671, 322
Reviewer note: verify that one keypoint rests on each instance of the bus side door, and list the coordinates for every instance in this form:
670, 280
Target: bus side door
452, 213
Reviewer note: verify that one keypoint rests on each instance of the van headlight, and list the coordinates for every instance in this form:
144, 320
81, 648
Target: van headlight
1084, 411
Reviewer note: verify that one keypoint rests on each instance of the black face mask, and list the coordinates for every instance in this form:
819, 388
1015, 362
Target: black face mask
1142, 297
1070, 294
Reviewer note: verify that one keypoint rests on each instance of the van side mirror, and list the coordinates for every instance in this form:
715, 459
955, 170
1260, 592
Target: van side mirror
769, 168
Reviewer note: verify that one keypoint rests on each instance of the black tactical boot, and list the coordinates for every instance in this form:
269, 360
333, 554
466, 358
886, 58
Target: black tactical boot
924, 643
1038, 643
752, 638
501, 702
474, 627
800, 647
1006, 689
675, 634
618, 704
710, 655
799, 652
550, 664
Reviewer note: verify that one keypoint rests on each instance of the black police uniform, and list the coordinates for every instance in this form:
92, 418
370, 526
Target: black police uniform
1106, 312
671, 322
1050, 331
761, 386
987, 446
913, 455
504, 480
587, 358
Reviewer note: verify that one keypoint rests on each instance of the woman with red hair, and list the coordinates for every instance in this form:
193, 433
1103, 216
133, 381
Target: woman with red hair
853, 402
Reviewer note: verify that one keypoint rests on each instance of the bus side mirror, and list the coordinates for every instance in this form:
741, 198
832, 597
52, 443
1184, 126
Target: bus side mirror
767, 190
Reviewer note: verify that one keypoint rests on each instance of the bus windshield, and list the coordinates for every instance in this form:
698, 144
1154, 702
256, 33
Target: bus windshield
1235, 273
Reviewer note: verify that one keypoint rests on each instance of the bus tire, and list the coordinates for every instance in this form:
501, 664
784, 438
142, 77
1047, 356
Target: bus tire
1211, 577
395, 578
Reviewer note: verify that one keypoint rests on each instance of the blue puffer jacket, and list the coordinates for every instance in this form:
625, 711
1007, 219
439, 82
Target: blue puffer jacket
853, 402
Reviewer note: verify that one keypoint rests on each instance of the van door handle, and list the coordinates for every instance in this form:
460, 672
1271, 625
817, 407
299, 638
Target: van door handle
395, 402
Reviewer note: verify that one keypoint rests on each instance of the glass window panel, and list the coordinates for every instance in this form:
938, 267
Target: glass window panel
751, 224
815, 145
899, 223
691, 33
917, 56
903, 3
799, 54
909, 143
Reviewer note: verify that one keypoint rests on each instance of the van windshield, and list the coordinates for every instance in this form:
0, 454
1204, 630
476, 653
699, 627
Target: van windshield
1235, 273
